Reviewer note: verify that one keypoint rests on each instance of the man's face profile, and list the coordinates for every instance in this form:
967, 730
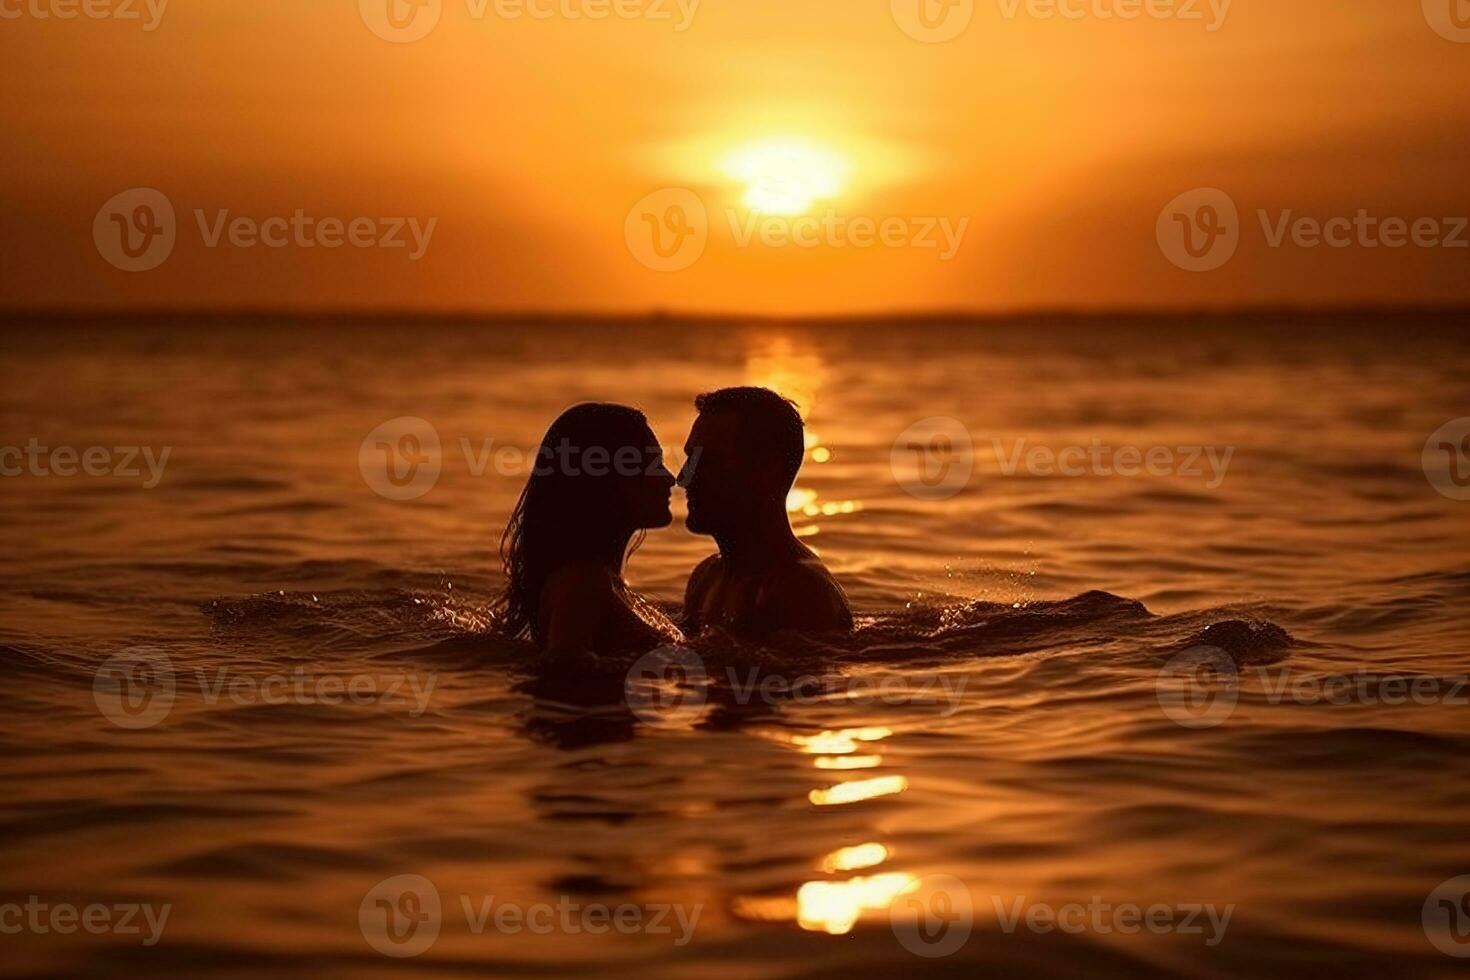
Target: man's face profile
716, 477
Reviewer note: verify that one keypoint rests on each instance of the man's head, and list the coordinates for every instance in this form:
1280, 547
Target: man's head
742, 457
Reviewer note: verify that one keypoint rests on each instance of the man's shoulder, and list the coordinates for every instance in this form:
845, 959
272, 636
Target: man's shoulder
807, 595
705, 570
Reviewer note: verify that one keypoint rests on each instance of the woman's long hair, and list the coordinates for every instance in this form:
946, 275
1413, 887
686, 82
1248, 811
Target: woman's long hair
564, 514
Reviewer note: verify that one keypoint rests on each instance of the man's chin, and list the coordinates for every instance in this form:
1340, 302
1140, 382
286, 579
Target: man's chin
696, 525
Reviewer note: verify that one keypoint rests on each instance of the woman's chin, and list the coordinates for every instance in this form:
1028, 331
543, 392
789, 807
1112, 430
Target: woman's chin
660, 520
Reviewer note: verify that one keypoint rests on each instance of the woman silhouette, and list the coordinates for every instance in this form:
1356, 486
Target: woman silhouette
597, 483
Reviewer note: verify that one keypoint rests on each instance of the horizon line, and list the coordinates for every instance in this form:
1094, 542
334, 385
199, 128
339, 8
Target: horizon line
59, 314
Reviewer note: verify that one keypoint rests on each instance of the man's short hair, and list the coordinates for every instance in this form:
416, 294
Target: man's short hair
770, 426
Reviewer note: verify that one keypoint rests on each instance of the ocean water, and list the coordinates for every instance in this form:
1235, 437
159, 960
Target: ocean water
1218, 681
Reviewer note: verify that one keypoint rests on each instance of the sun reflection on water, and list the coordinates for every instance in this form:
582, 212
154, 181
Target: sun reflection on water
858, 789
834, 905
853, 858
797, 371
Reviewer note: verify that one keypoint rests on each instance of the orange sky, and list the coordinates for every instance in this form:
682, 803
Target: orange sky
1051, 144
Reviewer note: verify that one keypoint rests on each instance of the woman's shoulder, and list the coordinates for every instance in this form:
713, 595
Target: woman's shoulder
578, 579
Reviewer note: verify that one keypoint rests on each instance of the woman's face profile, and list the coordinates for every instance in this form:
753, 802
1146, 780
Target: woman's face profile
644, 485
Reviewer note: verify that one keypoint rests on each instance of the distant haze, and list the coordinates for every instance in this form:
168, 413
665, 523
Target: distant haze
1046, 149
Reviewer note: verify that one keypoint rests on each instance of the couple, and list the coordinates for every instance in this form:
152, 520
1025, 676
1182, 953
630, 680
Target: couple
600, 482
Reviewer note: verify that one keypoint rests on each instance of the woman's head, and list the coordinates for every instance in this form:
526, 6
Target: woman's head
598, 479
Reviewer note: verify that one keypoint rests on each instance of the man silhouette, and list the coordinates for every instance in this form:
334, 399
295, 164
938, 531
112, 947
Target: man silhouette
743, 453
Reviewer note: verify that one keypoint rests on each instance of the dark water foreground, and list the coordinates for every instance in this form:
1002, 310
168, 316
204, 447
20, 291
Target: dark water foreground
1177, 723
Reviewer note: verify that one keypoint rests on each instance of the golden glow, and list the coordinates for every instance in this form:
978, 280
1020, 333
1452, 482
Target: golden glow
800, 499
853, 858
841, 741
821, 454
849, 761
764, 908
858, 789
834, 906
786, 176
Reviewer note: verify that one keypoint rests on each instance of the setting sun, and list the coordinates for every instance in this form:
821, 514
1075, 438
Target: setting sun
786, 177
